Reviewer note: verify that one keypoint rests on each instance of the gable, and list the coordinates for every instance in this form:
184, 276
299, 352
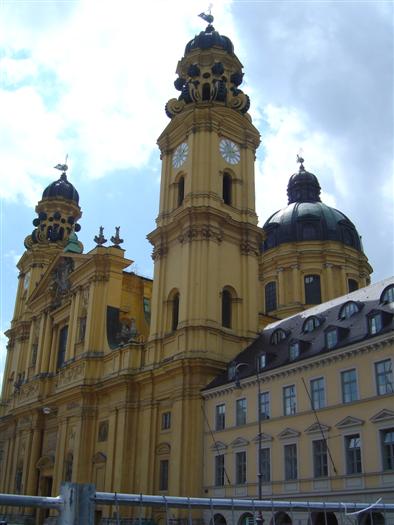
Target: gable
288, 433
317, 428
239, 442
219, 445
264, 438
349, 421
382, 415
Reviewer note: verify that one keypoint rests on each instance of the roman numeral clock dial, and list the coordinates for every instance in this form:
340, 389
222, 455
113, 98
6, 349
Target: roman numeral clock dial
229, 151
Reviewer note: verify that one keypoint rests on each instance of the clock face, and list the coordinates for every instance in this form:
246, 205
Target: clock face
229, 151
180, 155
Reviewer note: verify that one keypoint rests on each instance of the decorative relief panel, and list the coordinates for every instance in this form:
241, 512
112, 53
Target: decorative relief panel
203, 232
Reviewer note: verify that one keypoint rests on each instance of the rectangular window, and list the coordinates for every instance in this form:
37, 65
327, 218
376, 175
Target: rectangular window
163, 480
220, 417
261, 361
353, 454
240, 414
320, 465
294, 350
219, 470
270, 297
289, 400
290, 462
312, 289
384, 377
349, 386
240, 468
387, 440
331, 338
61, 354
265, 465
166, 420
317, 393
375, 323
265, 405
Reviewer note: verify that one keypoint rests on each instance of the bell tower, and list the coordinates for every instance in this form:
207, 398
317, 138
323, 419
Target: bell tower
206, 242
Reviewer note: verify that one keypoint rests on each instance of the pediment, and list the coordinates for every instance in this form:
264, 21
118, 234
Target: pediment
239, 442
264, 438
383, 415
45, 462
219, 445
55, 279
163, 448
317, 428
288, 433
99, 457
349, 421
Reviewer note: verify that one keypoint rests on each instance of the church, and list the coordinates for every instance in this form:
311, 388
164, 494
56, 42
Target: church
112, 378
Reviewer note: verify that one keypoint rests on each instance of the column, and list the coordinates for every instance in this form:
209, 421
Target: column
35, 453
330, 292
281, 287
59, 455
297, 298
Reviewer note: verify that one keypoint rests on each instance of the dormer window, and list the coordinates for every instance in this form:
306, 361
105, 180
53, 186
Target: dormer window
349, 309
294, 350
261, 361
231, 371
278, 336
311, 323
375, 323
331, 338
388, 295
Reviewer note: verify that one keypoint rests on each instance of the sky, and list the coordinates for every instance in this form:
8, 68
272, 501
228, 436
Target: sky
91, 78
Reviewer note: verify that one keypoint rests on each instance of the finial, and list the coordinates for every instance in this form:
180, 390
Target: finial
301, 161
100, 239
62, 167
207, 17
116, 240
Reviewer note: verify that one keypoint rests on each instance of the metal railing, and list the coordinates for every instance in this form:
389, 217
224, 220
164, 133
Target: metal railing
76, 505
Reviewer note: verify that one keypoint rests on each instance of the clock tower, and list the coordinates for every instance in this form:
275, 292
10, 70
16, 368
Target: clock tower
206, 243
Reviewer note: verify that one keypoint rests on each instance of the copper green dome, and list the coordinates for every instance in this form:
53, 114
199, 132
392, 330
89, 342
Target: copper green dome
306, 218
61, 188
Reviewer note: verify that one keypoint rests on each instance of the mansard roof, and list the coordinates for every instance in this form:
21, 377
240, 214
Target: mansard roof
353, 330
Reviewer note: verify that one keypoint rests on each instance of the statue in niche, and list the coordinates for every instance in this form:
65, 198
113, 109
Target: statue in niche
103, 431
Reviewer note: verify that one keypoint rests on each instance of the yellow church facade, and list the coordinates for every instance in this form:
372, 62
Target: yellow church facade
105, 368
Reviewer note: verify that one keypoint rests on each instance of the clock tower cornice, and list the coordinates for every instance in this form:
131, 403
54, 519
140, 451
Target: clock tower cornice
220, 120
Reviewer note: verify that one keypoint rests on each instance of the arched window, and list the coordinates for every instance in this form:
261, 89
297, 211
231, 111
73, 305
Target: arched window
311, 323
226, 308
278, 336
181, 190
352, 285
388, 295
312, 289
348, 309
227, 189
270, 297
175, 312
206, 92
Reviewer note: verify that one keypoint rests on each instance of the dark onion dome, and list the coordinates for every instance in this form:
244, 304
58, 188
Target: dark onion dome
306, 218
210, 38
61, 188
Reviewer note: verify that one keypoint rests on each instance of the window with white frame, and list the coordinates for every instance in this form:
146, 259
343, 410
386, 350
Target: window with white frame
240, 467
387, 443
353, 454
317, 393
219, 470
375, 323
240, 412
331, 338
289, 400
264, 405
265, 465
290, 452
294, 350
349, 386
384, 377
220, 417
261, 361
320, 463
